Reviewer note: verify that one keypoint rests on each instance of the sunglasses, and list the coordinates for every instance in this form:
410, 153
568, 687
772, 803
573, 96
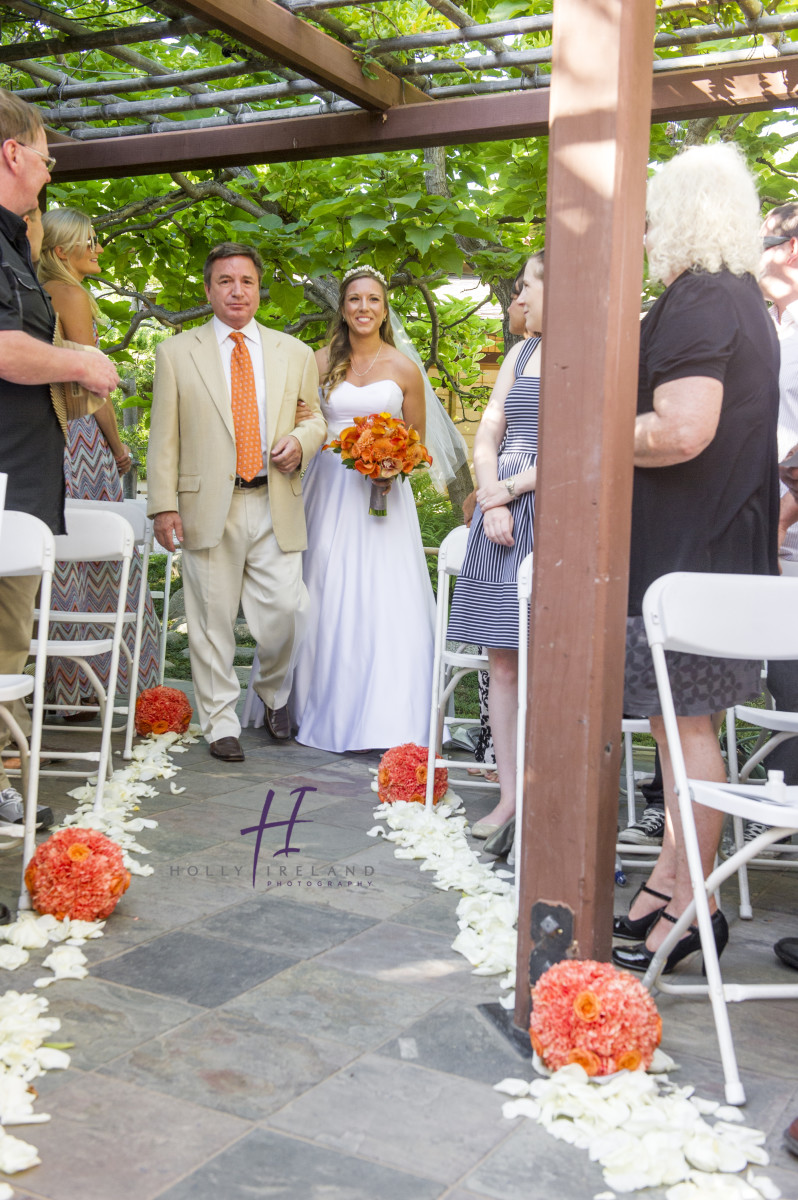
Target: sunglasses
46, 159
93, 242
769, 242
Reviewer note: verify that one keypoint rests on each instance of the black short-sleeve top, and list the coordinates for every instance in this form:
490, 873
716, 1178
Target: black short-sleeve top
719, 511
31, 440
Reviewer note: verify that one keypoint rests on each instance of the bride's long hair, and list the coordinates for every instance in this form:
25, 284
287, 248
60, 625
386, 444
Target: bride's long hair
340, 348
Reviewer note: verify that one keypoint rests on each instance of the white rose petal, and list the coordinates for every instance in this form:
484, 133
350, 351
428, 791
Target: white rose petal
764, 1185
512, 1109
512, 1087
16, 1155
12, 957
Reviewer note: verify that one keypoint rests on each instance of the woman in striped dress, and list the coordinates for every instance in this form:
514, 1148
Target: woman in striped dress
94, 458
485, 604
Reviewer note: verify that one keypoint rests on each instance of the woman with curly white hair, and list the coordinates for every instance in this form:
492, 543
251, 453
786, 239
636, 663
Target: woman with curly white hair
705, 486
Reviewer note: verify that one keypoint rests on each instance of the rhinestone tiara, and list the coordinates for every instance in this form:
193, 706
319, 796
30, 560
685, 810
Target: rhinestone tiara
365, 270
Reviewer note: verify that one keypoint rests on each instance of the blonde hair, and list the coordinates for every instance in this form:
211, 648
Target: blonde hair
703, 210
340, 350
67, 228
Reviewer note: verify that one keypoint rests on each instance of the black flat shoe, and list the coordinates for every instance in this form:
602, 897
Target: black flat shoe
638, 930
638, 958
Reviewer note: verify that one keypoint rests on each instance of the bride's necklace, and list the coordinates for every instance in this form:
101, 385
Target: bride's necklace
371, 364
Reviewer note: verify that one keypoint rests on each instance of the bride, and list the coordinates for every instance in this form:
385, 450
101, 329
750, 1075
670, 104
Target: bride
362, 674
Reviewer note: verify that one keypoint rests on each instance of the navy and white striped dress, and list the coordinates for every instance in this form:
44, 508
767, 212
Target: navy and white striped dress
485, 604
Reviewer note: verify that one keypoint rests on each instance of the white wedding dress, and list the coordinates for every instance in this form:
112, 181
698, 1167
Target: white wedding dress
363, 670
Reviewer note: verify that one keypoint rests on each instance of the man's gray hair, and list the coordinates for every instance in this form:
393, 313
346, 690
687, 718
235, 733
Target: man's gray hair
785, 220
231, 250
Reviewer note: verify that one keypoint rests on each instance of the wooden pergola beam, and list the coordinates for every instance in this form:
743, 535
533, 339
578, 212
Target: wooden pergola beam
149, 31
268, 28
718, 91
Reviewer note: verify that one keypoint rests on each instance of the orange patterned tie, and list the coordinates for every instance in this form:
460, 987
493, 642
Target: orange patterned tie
249, 452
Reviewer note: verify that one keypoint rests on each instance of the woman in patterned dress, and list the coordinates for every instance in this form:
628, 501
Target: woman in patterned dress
94, 458
485, 604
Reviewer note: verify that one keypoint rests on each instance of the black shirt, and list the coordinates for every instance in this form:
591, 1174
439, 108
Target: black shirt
31, 440
719, 511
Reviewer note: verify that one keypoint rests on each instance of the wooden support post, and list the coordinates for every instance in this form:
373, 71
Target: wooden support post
600, 110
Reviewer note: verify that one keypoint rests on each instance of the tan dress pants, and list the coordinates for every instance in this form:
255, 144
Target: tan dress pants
247, 568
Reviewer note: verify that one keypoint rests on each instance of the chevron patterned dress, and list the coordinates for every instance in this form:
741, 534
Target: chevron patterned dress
91, 474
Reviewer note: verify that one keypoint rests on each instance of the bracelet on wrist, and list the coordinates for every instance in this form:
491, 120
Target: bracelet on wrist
510, 485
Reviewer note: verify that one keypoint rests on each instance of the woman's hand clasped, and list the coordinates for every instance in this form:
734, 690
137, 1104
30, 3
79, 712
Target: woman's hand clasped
493, 495
497, 524
123, 461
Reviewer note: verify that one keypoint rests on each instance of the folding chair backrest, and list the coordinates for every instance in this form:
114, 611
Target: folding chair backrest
27, 546
525, 578
452, 551
728, 616
132, 510
94, 536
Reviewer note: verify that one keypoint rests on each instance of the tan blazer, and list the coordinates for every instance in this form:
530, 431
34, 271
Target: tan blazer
191, 462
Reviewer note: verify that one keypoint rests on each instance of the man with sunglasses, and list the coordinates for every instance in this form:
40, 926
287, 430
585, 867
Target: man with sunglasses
32, 440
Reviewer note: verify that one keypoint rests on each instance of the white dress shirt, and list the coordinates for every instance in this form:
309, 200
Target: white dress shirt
787, 330
253, 344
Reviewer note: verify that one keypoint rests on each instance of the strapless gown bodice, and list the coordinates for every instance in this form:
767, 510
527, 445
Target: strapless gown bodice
348, 401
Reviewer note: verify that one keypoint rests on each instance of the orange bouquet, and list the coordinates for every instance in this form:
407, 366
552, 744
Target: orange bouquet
381, 447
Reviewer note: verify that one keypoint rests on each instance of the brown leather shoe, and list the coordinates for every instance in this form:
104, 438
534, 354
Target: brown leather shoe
278, 723
791, 1138
228, 749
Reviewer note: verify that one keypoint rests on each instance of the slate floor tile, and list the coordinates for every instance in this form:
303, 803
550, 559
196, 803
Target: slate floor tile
436, 913
284, 926
758, 1031
265, 1164
399, 954
313, 999
459, 1040
532, 1165
108, 1138
227, 1061
119, 1019
396, 1113
199, 970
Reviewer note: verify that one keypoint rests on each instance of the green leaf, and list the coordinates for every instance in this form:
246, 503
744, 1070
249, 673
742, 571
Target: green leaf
359, 225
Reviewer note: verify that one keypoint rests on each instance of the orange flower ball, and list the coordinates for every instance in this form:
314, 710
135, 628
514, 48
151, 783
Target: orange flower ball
77, 873
162, 710
589, 1013
402, 775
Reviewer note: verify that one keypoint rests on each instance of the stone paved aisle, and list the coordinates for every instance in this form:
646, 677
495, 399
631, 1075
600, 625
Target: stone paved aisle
314, 1035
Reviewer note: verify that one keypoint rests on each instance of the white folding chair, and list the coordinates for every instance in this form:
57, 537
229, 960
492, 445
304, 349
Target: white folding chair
524, 600
94, 534
728, 616
27, 547
450, 664
134, 511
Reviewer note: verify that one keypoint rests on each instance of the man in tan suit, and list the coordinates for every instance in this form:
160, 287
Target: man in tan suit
224, 481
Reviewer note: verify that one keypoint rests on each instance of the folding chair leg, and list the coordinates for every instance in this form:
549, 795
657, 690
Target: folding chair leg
629, 762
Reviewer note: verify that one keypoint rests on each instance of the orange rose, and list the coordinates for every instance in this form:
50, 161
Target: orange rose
587, 1007
586, 1059
537, 1045
78, 852
629, 1061
372, 470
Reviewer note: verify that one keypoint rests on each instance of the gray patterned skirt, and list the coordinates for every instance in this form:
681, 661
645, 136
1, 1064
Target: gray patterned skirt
699, 684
